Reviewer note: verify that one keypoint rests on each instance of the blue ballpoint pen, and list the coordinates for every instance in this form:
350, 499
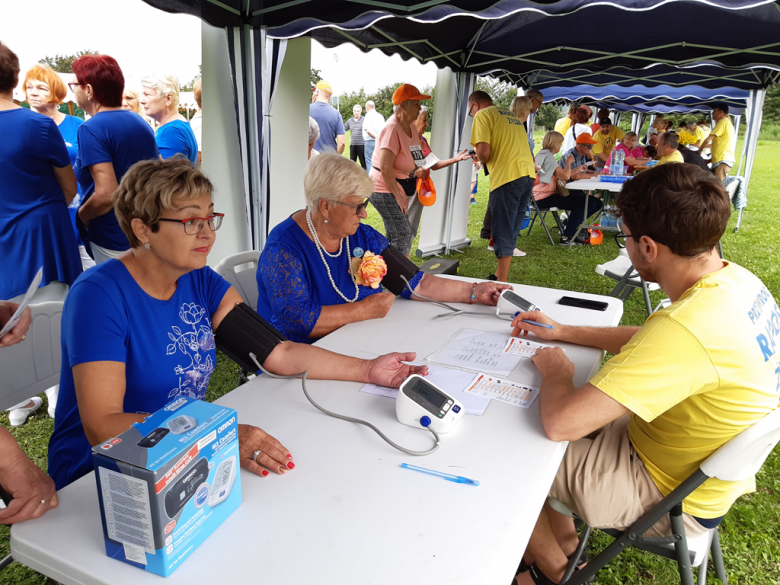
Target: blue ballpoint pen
530, 322
447, 476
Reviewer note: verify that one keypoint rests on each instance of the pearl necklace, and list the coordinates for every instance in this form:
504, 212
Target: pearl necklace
321, 248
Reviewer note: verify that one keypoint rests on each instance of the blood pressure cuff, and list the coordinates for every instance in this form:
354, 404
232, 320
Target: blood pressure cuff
398, 265
242, 332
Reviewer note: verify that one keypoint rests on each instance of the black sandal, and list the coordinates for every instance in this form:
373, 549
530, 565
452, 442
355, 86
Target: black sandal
541, 579
584, 558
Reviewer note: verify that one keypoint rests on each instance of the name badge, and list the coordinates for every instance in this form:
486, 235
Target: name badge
417, 155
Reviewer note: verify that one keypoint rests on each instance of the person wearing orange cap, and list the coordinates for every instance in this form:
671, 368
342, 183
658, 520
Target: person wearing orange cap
332, 136
397, 164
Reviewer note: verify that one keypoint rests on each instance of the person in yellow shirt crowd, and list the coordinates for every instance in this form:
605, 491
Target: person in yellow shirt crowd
606, 138
563, 124
698, 134
695, 375
723, 140
667, 149
501, 144
602, 114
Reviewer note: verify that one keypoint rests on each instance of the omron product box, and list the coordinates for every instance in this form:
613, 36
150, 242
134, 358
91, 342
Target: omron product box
441, 266
167, 483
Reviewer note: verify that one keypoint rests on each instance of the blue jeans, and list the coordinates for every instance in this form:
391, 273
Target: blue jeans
369, 150
507, 207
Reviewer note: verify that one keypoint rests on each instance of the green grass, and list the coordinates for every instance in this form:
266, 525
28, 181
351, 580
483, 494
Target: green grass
750, 534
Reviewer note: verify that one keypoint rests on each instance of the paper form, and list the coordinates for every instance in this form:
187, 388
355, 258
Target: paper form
503, 390
476, 351
23, 303
522, 347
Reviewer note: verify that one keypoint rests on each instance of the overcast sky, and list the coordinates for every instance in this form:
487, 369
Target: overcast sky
145, 40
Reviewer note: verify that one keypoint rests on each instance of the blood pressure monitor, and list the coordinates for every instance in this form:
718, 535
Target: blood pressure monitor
418, 400
181, 424
510, 303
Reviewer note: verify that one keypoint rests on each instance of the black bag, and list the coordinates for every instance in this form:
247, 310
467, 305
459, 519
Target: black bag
408, 185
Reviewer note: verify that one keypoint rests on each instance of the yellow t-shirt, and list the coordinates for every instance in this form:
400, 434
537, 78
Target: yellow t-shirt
695, 375
510, 155
562, 125
725, 142
606, 142
674, 157
700, 134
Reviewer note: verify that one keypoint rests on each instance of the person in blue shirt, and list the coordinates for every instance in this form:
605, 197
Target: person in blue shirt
36, 186
138, 331
332, 136
305, 274
160, 100
109, 143
45, 90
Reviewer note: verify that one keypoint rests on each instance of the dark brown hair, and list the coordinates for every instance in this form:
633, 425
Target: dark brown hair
9, 68
583, 115
677, 205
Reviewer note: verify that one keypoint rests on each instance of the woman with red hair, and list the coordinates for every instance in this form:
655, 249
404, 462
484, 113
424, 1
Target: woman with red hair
45, 91
109, 143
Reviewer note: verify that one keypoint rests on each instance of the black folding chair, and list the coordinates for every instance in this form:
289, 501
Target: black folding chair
542, 214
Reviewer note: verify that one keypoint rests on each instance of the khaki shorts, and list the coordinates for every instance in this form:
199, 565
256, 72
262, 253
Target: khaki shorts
603, 481
722, 171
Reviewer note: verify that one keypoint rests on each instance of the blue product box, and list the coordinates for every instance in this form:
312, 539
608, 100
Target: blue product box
167, 483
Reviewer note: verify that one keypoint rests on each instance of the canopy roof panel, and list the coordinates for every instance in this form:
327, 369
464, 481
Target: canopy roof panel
662, 95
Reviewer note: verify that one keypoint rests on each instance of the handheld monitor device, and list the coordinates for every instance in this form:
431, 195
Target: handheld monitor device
224, 478
418, 399
510, 303
181, 424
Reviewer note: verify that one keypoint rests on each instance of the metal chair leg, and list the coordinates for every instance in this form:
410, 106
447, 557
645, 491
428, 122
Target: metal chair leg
577, 553
701, 579
717, 559
720, 249
681, 545
5, 562
646, 293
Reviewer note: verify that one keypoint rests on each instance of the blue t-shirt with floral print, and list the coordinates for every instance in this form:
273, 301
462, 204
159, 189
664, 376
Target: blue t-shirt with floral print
167, 347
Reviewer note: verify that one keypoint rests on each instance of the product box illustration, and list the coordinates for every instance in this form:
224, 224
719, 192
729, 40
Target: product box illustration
167, 483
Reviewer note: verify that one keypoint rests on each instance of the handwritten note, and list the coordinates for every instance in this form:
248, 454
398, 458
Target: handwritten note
522, 347
503, 390
476, 351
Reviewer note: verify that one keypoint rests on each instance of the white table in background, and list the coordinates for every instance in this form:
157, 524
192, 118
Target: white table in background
590, 185
348, 514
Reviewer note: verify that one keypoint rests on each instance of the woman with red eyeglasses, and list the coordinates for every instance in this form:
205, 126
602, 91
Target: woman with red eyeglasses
110, 142
137, 331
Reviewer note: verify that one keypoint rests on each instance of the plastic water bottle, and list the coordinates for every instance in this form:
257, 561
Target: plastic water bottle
612, 162
619, 158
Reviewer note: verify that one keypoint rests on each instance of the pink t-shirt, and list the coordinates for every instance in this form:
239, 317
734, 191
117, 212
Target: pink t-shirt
395, 139
632, 153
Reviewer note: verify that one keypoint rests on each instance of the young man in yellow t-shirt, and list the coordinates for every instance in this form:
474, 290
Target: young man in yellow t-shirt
667, 149
501, 144
695, 375
723, 139
606, 138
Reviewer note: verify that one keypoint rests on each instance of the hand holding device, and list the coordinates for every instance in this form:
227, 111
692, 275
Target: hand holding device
510, 303
489, 293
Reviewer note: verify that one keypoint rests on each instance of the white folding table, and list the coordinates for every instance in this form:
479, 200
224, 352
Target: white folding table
348, 513
590, 185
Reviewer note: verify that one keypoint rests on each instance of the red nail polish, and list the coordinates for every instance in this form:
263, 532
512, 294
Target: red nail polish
289, 456
291, 465
265, 472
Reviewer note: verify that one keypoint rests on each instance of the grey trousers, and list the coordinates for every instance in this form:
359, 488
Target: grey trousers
400, 228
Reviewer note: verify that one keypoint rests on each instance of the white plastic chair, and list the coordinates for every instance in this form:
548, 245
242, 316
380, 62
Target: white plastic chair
32, 366
240, 271
737, 460
621, 270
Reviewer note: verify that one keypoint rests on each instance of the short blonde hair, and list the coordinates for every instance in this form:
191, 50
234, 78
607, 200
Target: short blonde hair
332, 176
630, 135
148, 190
521, 106
49, 77
164, 85
135, 94
552, 139
197, 90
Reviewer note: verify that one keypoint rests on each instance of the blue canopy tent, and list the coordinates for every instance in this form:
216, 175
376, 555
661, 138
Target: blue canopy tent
644, 101
521, 41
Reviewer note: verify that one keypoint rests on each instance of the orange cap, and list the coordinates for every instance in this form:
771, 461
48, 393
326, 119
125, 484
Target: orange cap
586, 138
408, 92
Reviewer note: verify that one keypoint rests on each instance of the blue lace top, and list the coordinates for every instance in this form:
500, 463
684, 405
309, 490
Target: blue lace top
293, 284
